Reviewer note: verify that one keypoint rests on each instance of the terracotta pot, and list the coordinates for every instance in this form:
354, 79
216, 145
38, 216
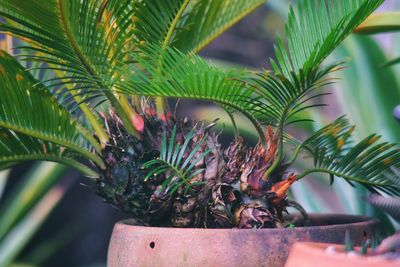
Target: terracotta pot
308, 254
152, 246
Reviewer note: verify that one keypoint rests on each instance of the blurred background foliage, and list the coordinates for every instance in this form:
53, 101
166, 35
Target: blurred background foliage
47, 218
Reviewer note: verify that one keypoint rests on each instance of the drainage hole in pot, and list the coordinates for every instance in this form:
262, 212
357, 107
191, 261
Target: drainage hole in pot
152, 244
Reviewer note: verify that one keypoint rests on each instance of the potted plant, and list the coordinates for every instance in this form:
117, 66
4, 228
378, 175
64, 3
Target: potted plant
387, 253
116, 62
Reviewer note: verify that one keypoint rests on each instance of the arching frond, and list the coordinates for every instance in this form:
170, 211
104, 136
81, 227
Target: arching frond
369, 163
87, 49
76, 37
17, 148
288, 96
315, 29
177, 162
30, 110
157, 20
188, 76
206, 20
312, 33
334, 138
86, 39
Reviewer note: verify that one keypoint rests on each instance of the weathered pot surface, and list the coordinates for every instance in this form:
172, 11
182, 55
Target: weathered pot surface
140, 246
309, 254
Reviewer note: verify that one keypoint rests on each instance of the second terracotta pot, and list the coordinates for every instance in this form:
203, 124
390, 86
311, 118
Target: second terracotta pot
139, 246
308, 254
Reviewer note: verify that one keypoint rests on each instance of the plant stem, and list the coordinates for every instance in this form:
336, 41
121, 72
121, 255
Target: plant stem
90, 116
160, 106
132, 114
160, 101
89, 137
114, 101
295, 154
347, 177
123, 115
234, 126
83, 169
93, 121
73, 146
174, 24
279, 155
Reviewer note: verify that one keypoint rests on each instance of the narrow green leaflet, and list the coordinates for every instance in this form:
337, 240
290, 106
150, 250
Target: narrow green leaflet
288, 97
77, 37
85, 50
157, 20
32, 124
374, 165
16, 148
315, 29
206, 20
334, 138
177, 161
188, 76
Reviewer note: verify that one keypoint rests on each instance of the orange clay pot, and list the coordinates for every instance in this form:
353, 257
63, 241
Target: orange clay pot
157, 247
309, 254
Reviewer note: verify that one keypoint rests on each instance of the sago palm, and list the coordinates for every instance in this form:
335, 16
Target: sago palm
88, 84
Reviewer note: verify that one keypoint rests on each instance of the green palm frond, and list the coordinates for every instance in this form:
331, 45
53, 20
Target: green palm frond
189, 76
85, 40
334, 138
177, 162
287, 97
282, 98
157, 20
315, 29
17, 148
312, 33
188, 25
206, 20
85, 50
369, 163
28, 109
74, 37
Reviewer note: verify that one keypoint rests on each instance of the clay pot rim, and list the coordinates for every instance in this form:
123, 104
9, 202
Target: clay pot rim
355, 220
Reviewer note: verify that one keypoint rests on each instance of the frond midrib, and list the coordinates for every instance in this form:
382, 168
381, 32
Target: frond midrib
50, 157
171, 167
56, 140
92, 72
174, 23
239, 108
72, 40
218, 32
342, 175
